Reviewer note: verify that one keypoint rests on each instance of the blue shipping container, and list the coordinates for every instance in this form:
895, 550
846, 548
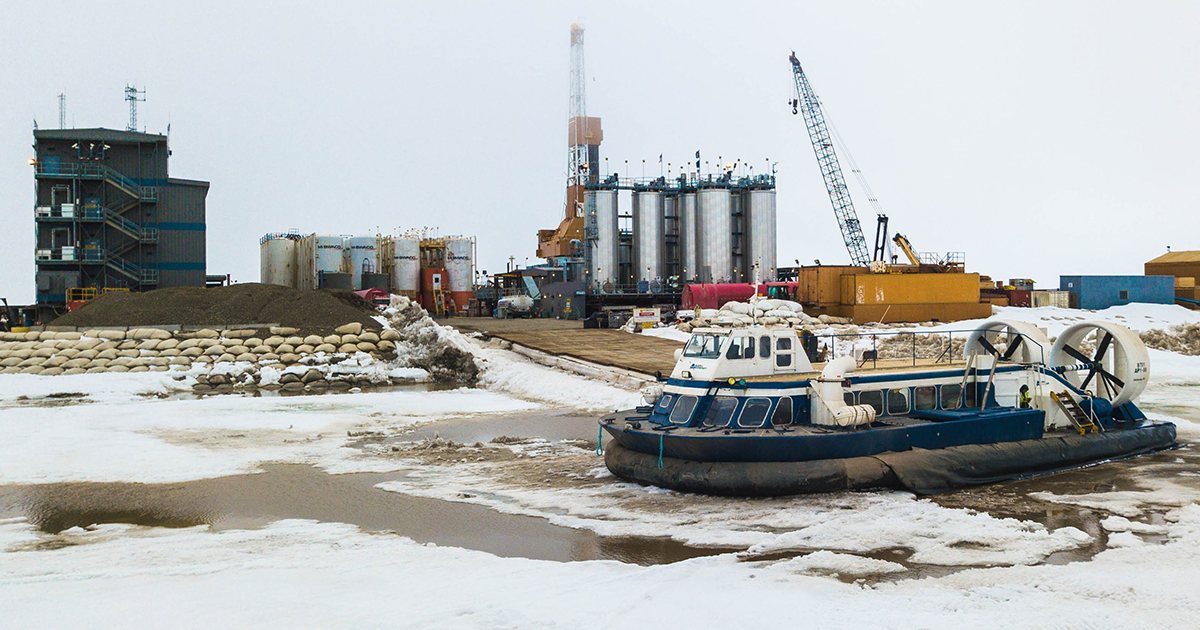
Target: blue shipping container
1100, 292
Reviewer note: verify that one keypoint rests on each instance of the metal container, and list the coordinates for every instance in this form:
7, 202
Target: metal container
647, 235
317, 254
361, 256
715, 295
377, 281
335, 280
277, 260
688, 251
602, 214
760, 234
406, 266
714, 231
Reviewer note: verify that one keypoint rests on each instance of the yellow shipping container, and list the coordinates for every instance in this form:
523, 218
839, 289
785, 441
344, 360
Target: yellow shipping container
911, 288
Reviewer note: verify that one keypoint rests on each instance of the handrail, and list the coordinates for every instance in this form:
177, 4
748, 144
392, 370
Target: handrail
98, 171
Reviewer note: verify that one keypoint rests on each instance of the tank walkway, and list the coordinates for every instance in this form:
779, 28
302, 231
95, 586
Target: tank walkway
615, 348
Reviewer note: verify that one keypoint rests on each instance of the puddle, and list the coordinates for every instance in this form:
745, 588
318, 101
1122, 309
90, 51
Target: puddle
296, 491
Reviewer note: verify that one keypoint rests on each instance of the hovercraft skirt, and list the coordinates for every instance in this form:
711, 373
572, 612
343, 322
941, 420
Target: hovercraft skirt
918, 470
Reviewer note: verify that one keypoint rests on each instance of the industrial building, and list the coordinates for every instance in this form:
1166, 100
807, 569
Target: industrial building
1185, 267
108, 216
1100, 292
437, 271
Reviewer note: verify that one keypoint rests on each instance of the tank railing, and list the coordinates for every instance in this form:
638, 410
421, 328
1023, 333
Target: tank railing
908, 345
674, 184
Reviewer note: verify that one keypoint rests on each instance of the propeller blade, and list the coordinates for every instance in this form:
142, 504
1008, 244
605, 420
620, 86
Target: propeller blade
1111, 378
1012, 348
1091, 373
1077, 354
987, 345
1103, 347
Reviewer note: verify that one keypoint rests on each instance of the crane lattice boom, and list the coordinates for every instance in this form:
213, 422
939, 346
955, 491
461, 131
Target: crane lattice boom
831, 171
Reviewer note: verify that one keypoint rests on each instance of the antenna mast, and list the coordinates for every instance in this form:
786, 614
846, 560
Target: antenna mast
62, 110
131, 95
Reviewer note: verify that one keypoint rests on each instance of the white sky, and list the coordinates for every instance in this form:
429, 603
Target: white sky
1040, 138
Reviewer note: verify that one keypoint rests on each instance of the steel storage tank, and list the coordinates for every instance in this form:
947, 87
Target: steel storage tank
277, 260
362, 256
317, 254
604, 251
688, 250
647, 235
714, 232
460, 271
760, 234
406, 266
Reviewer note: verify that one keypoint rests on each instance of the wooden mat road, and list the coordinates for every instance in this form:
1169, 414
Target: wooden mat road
602, 346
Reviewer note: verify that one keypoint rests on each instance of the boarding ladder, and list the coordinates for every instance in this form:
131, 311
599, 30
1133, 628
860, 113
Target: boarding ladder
1082, 421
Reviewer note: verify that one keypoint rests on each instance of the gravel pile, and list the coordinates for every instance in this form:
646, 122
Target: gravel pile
311, 312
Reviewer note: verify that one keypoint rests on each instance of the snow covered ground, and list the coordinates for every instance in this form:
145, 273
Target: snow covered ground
833, 561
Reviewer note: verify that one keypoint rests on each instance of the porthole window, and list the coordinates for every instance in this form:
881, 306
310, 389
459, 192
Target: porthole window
925, 397
683, 410
951, 396
897, 402
874, 398
754, 413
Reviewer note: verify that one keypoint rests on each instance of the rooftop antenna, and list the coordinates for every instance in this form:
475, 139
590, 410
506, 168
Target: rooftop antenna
62, 110
131, 95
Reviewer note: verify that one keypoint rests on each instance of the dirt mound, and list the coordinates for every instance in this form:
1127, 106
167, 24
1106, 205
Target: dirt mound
250, 303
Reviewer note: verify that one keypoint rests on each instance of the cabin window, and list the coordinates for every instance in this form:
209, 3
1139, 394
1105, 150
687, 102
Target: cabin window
783, 360
664, 403
848, 397
951, 396
735, 348
754, 413
764, 347
897, 402
783, 412
925, 397
703, 347
749, 352
720, 412
683, 410
783, 344
874, 398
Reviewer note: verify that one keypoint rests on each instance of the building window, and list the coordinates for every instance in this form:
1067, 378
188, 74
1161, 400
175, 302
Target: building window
1122, 295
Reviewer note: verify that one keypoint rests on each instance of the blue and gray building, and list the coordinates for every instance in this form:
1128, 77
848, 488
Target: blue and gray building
109, 216
1101, 292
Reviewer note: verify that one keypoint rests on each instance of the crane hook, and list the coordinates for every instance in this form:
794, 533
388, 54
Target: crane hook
795, 102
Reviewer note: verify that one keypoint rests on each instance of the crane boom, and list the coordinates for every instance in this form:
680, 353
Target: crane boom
835, 184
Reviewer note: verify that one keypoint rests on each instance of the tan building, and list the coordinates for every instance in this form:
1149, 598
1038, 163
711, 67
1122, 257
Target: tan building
1185, 266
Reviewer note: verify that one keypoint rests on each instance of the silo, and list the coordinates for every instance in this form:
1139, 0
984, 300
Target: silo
604, 250
361, 256
406, 266
327, 256
460, 271
647, 235
714, 232
760, 233
688, 245
277, 260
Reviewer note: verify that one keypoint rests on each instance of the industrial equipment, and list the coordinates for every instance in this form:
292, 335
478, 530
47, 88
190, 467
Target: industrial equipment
835, 184
7, 317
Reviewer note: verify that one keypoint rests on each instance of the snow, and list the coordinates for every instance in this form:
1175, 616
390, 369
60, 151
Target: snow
305, 574
667, 332
1137, 317
176, 440
515, 375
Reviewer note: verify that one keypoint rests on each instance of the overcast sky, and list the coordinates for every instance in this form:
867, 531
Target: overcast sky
1042, 138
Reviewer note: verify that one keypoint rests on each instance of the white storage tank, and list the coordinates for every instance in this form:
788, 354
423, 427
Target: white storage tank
647, 235
714, 231
277, 260
317, 254
361, 256
460, 270
688, 250
406, 265
602, 208
760, 234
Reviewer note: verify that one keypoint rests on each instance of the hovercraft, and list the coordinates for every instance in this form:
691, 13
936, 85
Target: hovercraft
764, 411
